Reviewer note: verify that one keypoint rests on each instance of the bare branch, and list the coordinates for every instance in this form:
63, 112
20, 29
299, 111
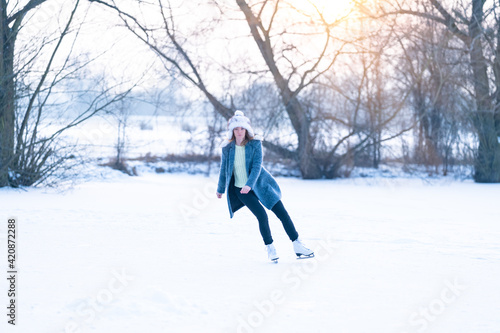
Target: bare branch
44, 77
446, 19
18, 16
450, 22
195, 78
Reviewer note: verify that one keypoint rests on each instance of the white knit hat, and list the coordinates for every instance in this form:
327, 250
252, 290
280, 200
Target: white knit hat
238, 120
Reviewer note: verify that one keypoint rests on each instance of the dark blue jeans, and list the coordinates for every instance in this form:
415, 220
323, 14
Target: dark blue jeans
252, 202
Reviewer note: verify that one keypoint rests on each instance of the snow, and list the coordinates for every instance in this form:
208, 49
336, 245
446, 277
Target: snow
158, 253
157, 136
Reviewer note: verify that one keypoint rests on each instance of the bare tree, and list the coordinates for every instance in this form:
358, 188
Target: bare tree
30, 78
288, 61
10, 24
476, 25
293, 78
433, 66
11, 143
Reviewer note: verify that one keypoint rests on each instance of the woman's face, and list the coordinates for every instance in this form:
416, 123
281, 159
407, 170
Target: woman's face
239, 133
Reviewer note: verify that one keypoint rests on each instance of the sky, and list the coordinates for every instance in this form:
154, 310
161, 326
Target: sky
223, 43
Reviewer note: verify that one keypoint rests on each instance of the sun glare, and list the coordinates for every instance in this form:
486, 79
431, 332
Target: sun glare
330, 9
333, 9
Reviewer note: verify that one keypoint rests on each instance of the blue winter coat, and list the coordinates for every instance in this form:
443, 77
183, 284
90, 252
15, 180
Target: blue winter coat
260, 180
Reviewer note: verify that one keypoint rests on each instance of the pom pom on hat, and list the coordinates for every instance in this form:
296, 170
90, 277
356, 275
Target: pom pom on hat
238, 120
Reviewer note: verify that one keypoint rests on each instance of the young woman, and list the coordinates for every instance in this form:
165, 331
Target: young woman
248, 184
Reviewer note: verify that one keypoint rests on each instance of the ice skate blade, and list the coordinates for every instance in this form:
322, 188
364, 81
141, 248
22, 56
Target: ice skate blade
303, 256
274, 261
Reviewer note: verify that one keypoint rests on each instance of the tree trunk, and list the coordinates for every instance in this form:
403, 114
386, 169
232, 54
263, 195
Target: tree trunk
309, 168
7, 97
487, 168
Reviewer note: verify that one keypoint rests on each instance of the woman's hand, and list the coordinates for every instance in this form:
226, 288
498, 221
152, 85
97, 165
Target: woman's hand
219, 195
245, 189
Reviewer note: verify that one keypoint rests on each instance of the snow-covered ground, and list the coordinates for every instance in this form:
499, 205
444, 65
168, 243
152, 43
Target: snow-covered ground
156, 135
158, 253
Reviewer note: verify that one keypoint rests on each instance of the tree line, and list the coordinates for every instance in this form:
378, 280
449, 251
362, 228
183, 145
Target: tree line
424, 74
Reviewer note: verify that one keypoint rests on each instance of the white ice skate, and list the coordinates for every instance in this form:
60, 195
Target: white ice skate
271, 253
301, 251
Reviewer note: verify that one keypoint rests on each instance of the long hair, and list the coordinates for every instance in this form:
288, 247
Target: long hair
248, 138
